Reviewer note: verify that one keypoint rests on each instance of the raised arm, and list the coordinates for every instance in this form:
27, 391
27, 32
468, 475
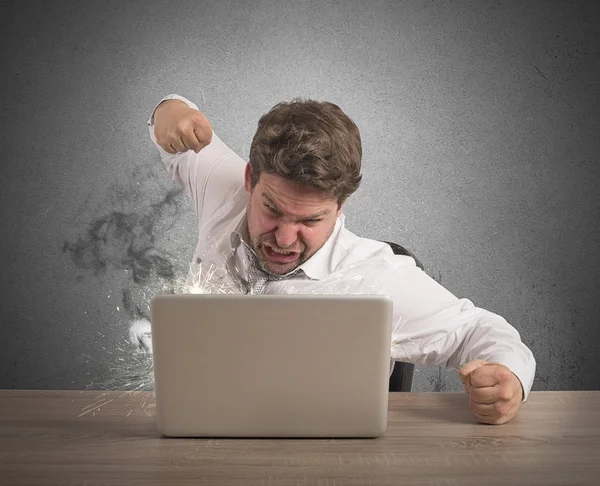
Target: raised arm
207, 170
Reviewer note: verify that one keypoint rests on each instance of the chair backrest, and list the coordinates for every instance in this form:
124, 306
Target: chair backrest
402, 376
400, 250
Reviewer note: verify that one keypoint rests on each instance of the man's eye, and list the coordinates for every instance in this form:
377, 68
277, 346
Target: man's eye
312, 222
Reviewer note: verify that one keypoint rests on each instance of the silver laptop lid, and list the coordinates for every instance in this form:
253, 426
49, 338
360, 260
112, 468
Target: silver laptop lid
271, 365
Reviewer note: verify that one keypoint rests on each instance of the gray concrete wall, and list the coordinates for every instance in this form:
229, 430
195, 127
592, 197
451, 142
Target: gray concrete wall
480, 123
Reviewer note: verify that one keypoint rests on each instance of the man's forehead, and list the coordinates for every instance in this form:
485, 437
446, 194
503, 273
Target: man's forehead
281, 192
298, 206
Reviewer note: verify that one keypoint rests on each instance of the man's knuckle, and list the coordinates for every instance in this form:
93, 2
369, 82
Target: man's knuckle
182, 125
501, 407
475, 378
504, 373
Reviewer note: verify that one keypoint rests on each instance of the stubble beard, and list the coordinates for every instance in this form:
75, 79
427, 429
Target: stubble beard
268, 266
256, 242
281, 269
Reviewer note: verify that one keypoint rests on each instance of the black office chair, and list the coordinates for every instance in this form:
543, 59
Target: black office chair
402, 376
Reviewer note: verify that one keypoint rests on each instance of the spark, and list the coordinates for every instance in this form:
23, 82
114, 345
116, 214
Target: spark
130, 371
131, 365
92, 408
211, 279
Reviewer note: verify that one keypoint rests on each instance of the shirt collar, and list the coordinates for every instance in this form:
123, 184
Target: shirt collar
317, 266
239, 233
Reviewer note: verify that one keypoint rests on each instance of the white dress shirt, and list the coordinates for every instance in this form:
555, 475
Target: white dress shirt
431, 326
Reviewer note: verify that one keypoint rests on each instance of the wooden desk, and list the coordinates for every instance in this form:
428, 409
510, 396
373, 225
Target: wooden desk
95, 438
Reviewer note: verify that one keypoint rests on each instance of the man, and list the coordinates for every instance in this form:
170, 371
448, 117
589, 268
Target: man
276, 224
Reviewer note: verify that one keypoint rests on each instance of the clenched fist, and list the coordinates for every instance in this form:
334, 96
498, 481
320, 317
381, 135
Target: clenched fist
179, 128
495, 392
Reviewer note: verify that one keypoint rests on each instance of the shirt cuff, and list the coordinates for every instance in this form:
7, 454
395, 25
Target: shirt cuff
171, 97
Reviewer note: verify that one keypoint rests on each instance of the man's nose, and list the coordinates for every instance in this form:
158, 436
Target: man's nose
286, 235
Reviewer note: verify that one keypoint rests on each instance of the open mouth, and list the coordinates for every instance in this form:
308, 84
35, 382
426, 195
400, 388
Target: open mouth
280, 256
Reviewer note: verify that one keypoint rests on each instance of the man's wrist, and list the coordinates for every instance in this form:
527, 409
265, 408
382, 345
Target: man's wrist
162, 105
169, 98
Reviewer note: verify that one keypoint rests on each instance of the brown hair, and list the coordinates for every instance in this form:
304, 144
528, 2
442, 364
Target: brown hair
312, 143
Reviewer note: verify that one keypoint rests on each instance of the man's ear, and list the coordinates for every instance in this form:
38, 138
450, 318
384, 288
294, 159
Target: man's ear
341, 208
248, 178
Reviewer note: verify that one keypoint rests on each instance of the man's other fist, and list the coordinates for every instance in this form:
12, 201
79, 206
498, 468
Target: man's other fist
495, 392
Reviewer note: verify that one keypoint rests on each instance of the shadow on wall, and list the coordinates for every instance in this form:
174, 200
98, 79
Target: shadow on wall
127, 241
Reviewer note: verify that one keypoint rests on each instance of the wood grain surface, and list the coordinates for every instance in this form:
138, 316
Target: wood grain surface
110, 438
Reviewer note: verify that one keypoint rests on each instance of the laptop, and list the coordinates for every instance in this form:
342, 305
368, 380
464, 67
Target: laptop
294, 366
